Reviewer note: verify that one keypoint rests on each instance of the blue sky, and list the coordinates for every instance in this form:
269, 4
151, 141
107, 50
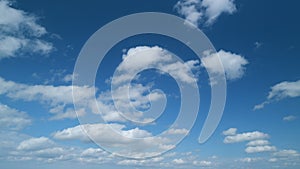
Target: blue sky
256, 41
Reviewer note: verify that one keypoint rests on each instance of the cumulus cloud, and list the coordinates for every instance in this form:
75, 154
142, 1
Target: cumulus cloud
233, 64
259, 149
179, 161
13, 119
248, 136
35, 144
230, 132
20, 32
287, 153
258, 143
58, 98
204, 11
281, 91
116, 136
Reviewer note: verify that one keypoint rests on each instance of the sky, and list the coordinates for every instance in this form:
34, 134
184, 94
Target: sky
151, 94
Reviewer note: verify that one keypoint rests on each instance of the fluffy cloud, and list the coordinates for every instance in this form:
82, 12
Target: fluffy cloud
35, 144
233, 64
141, 57
59, 98
287, 153
178, 131
130, 97
115, 136
248, 136
204, 11
230, 132
20, 32
214, 8
281, 91
259, 149
12, 119
258, 143
179, 161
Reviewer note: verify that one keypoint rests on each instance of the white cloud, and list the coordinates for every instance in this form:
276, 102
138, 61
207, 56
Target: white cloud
289, 118
141, 57
173, 131
285, 90
20, 32
233, 64
202, 163
287, 153
259, 149
214, 8
179, 161
248, 136
281, 91
12, 119
230, 132
35, 144
204, 11
139, 142
249, 159
58, 98
258, 143
190, 10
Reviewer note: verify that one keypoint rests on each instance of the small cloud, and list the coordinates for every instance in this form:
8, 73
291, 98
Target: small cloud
258, 44
248, 136
260, 149
233, 64
230, 132
289, 118
204, 11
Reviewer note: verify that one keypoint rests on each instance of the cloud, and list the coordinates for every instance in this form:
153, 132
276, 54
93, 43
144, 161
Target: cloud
249, 159
179, 161
12, 119
177, 131
281, 91
141, 57
230, 132
289, 118
112, 136
233, 64
20, 33
204, 11
287, 153
202, 163
190, 10
248, 136
258, 143
35, 144
58, 98
259, 149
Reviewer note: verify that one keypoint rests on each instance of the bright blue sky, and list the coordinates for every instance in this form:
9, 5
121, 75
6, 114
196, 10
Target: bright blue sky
257, 42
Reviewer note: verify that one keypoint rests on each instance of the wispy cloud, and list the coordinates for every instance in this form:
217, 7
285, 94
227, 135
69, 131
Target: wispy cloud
289, 118
281, 91
20, 33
